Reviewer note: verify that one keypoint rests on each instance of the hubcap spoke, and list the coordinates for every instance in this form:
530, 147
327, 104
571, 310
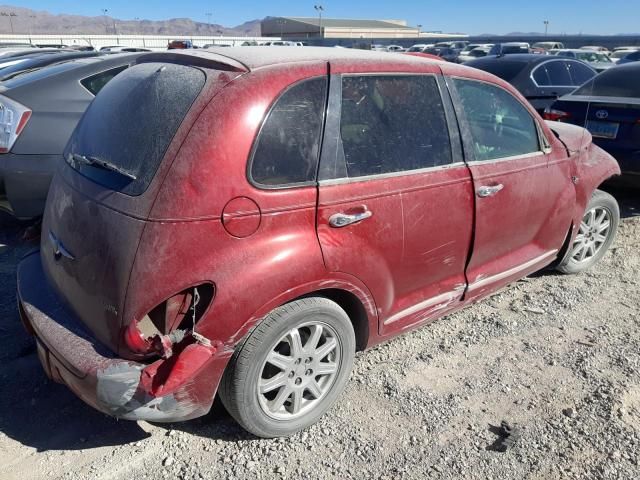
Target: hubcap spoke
326, 368
278, 360
281, 397
325, 348
603, 226
314, 389
295, 342
312, 342
270, 384
297, 401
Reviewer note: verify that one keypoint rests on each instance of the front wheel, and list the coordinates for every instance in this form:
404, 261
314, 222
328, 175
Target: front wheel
596, 234
291, 369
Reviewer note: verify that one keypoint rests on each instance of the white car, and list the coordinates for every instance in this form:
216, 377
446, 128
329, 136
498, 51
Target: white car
395, 48
596, 48
419, 47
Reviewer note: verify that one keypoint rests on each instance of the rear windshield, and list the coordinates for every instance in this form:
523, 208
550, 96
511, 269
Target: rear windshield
125, 132
620, 81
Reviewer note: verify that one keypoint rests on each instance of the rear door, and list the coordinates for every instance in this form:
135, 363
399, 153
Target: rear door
523, 192
395, 200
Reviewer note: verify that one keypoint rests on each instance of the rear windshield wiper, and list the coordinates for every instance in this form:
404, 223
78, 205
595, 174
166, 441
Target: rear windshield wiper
101, 163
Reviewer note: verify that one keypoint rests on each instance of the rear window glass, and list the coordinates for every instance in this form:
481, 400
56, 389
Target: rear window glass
288, 145
96, 82
620, 81
125, 132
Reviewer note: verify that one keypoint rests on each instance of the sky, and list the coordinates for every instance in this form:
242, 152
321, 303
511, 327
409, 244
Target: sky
466, 16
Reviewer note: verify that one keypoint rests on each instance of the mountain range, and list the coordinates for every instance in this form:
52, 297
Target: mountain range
24, 21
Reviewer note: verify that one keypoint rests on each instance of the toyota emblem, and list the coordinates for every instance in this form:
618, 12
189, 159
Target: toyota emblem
602, 114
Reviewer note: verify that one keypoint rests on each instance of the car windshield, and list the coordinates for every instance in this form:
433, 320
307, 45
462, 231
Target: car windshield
592, 57
620, 81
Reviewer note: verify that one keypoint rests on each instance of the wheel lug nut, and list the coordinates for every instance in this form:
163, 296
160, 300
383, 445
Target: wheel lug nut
308, 360
292, 374
297, 362
298, 381
308, 372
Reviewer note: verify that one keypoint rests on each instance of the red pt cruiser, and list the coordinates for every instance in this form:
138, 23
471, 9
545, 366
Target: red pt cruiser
243, 222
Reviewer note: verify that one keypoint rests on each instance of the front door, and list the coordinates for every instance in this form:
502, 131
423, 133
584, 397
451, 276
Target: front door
395, 208
523, 191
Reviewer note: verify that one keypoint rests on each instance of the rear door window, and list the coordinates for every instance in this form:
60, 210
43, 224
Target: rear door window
125, 132
500, 125
579, 73
392, 124
288, 145
94, 83
558, 73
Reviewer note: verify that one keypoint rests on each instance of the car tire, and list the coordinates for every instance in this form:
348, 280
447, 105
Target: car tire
290, 369
595, 235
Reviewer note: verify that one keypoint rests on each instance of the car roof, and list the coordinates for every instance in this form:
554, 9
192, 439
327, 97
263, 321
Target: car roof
251, 58
518, 58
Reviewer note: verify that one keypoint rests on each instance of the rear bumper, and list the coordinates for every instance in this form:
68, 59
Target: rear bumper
179, 388
26, 181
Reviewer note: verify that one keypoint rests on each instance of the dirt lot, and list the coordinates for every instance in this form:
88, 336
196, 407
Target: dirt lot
559, 356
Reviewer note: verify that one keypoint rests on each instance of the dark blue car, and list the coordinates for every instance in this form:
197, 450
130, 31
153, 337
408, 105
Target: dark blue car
609, 107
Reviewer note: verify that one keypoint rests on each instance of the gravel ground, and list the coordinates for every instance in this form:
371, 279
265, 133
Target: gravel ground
556, 356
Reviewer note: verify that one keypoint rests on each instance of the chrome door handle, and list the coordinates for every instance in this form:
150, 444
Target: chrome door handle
338, 220
487, 191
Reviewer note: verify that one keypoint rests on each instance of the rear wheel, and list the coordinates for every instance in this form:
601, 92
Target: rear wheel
595, 235
291, 369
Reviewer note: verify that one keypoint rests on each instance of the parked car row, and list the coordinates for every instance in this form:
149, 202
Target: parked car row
566, 89
241, 224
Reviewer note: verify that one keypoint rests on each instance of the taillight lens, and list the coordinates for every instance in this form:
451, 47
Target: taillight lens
555, 115
13, 119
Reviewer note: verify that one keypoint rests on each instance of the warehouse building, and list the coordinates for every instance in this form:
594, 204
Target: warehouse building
308, 27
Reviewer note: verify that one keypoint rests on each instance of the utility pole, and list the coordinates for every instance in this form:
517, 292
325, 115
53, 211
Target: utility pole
31, 24
137, 20
104, 14
208, 15
319, 9
546, 27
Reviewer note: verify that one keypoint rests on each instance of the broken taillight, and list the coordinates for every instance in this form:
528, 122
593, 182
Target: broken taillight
13, 118
168, 323
555, 115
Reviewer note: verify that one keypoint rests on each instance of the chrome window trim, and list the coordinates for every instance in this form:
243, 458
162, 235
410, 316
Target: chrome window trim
537, 153
563, 59
382, 176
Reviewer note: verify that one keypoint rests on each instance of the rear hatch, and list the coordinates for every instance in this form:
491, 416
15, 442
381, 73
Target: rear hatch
102, 194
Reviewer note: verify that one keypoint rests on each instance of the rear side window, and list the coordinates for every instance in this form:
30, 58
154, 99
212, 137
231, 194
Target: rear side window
580, 73
125, 132
392, 124
288, 145
94, 83
558, 73
500, 125
620, 81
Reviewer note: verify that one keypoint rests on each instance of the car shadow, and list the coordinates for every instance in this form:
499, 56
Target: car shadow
628, 198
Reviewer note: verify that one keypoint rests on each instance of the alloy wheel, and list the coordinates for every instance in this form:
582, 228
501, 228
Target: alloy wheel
299, 371
594, 231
